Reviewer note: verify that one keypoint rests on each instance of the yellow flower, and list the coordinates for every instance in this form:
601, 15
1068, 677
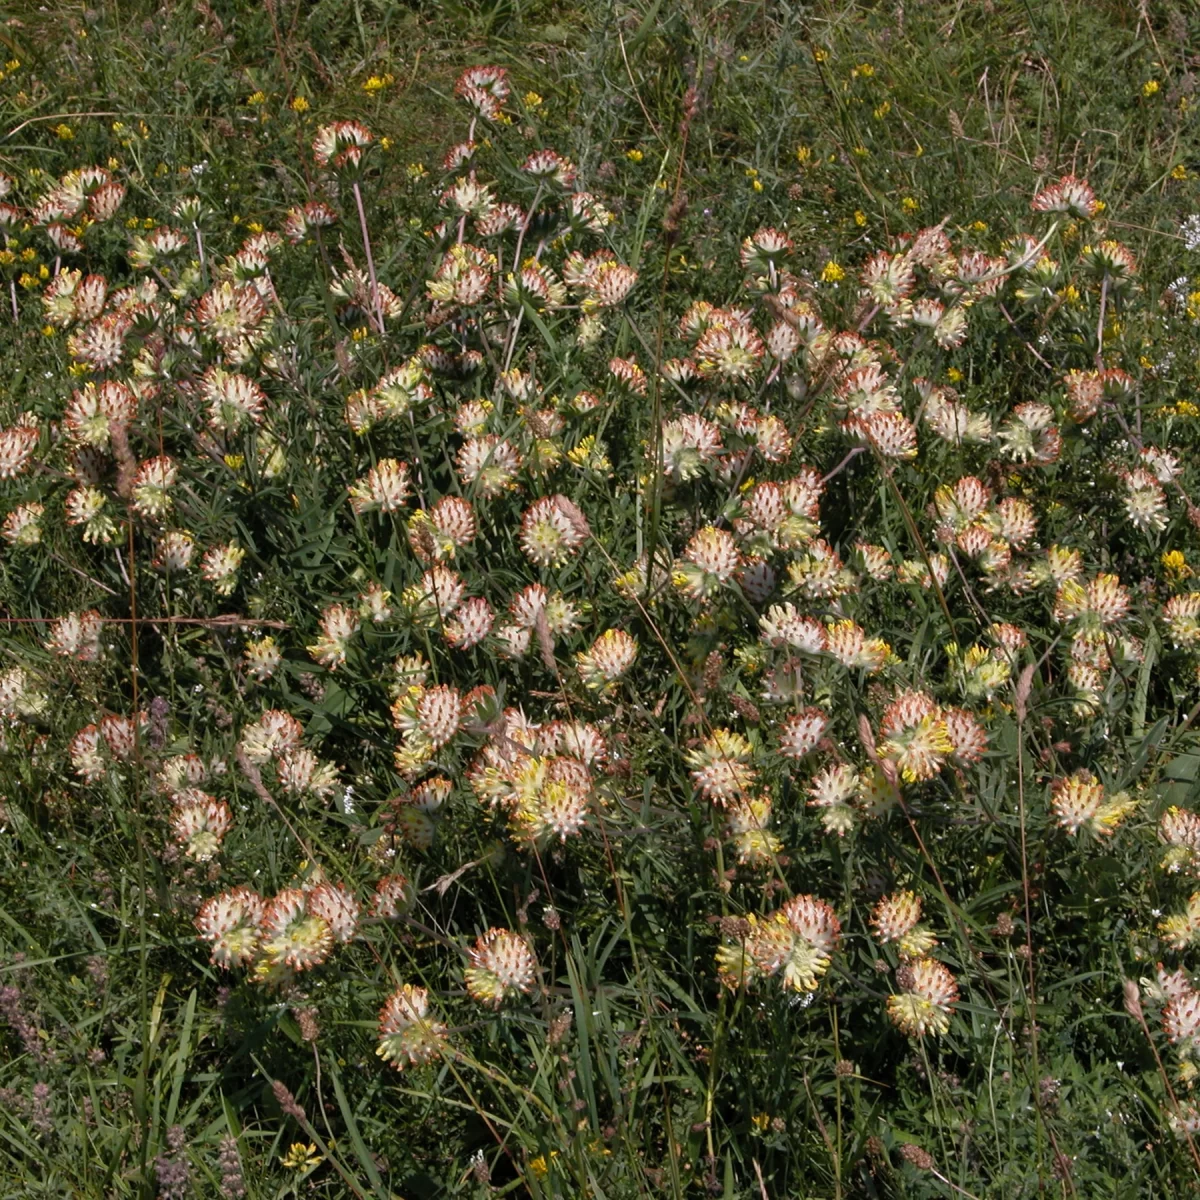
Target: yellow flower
1185, 408
64, 132
385, 143
751, 172
757, 185
29, 254
540, 1166
979, 227
1100, 206
378, 82
257, 98
43, 272
634, 155
301, 1157
415, 170
883, 110
13, 64
48, 331
743, 58
954, 375
533, 100
861, 152
760, 1121
909, 204
863, 69
1149, 87
860, 217
235, 462
1180, 172
300, 105
803, 155
832, 273
1069, 295
821, 55
27, 281
1175, 565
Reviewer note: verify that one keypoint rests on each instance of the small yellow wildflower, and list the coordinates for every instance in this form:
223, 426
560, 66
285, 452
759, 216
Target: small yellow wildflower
909, 204
64, 132
954, 375
7, 258
255, 227
1100, 206
360, 334
860, 217
540, 1166
821, 55
27, 281
416, 170
13, 64
861, 152
634, 155
149, 223
1185, 408
1150, 87
1069, 295
1180, 172
882, 110
979, 227
760, 1121
300, 105
865, 70
757, 185
743, 58
1175, 564
43, 272
832, 273
256, 98
235, 462
48, 331
385, 143
804, 155
29, 254
377, 83
301, 1157
751, 172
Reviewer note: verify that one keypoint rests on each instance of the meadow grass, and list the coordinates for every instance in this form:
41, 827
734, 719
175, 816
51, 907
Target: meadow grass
682, 686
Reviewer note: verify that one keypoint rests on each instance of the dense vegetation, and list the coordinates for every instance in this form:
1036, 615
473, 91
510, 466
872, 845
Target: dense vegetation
599, 600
